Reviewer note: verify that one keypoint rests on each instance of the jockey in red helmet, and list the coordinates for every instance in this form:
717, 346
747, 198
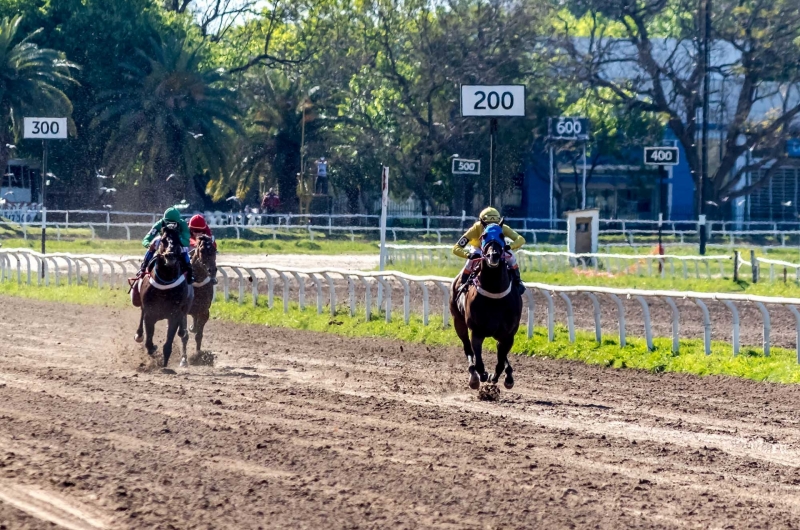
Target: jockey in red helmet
198, 227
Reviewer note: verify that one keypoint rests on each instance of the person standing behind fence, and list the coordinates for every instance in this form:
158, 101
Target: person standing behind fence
270, 204
321, 187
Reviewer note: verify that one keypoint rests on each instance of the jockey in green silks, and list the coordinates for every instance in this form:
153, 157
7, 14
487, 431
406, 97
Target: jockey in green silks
151, 240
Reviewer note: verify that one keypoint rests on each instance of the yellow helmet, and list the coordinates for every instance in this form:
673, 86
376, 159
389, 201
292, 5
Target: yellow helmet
490, 215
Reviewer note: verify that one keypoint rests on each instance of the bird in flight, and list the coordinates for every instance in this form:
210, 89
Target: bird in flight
787, 203
49, 174
11, 146
171, 176
196, 135
99, 174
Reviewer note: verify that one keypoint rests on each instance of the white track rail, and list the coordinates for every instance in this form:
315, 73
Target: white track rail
23, 265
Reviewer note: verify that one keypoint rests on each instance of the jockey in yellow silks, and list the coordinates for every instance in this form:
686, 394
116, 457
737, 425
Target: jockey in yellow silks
471, 238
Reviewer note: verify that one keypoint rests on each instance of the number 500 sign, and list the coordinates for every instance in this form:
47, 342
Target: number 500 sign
45, 128
493, 100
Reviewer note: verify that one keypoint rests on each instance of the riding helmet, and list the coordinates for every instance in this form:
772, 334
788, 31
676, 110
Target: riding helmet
173, 215
490, 215
198, 222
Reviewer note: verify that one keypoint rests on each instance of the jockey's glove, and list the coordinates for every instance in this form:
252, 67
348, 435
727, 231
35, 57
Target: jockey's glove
474, 255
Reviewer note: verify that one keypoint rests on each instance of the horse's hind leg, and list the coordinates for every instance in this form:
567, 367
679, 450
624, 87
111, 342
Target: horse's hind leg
183, 333
138, 336
503, 347
199, 326
172, 328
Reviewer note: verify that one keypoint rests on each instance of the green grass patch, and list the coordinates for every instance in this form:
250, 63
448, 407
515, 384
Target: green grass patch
780, 367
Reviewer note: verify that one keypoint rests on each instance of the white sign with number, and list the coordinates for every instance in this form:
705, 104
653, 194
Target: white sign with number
462, 166
493, 100
45, 128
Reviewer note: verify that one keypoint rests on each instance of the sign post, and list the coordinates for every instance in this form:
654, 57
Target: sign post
663, 158
570, 129
384, 209
464, 166
44, 129
492, 101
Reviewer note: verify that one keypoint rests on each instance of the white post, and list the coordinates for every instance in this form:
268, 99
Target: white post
384, 208
552, 176
583, 200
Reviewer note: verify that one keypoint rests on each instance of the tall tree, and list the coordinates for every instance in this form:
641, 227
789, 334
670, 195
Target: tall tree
171, 123
648, 55
32, 80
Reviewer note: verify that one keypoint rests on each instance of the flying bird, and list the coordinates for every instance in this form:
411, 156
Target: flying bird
787, 203
171, 176
11, 146
196, 135
107, 206
9, 174
107, 190
49, 174
740, 202
233, 198
712, 203
8, 193
99, 174
438, 183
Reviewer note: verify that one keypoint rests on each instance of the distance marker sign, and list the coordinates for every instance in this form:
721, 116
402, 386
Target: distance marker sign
661, 156
493, 101
462, 166
44, 128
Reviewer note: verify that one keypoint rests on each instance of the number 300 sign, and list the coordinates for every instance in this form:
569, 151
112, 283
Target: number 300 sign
493, 100
45, 128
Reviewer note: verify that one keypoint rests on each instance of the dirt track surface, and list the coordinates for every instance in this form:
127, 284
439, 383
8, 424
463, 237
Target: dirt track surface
301, 430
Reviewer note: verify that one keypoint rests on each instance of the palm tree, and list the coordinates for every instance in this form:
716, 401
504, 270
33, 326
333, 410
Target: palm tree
31, 82
171, 123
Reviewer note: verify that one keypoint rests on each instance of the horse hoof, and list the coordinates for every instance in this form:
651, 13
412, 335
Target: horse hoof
484, 377
494, 379
138, 338
184, 364
509, 382
474, 382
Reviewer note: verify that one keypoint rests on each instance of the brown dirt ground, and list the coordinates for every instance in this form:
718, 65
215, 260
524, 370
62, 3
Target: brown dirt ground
305, 430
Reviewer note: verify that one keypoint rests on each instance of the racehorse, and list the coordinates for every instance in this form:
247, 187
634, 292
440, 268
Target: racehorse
165, 295
204, 267
489, 307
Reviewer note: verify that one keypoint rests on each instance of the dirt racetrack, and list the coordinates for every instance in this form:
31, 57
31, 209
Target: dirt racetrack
302, 430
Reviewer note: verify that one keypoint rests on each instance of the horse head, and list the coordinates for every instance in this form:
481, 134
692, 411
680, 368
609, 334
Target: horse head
170, 248
493, 245
206, 254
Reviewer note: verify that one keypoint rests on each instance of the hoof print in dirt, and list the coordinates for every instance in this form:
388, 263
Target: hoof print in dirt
489, 393
169, 371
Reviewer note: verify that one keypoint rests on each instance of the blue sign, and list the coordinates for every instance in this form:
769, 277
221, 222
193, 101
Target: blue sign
793, 147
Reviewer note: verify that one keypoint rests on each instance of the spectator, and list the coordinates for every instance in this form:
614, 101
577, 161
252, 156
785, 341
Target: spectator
270, 204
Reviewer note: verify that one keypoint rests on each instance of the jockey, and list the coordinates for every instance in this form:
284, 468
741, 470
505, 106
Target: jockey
472, 238
172, 215
198, 227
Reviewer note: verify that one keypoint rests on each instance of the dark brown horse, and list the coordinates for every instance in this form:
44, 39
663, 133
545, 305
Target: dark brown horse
204, 266
491, 307
165, 295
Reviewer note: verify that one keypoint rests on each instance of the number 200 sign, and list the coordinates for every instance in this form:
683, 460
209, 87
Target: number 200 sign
569, 128
493, 101
45, 128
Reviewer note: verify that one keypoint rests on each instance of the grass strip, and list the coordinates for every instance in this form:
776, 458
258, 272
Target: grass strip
780, 367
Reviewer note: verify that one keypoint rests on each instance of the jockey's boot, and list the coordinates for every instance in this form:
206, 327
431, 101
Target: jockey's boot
515, 278
186, 265
145, 262
464, 280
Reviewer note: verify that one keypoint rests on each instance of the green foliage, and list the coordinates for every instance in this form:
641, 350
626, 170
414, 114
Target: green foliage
32, 80
173, 119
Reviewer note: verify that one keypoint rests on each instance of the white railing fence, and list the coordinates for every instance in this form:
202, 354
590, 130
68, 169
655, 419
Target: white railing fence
613, 232
22, 265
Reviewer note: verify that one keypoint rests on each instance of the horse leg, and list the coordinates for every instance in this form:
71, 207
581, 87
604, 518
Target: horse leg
183, 333
149, 331
503, 347
193, 327
462, 331
200, 324
477, 349
172, 327
138, 336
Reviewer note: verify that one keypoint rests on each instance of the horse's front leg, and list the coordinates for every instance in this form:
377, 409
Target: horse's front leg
503, 347
199, 326
138, 337
477, 349
183, 333
173, 323
149, 331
